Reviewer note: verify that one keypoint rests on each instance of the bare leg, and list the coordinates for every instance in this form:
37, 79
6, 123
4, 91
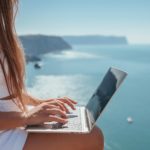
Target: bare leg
53, 141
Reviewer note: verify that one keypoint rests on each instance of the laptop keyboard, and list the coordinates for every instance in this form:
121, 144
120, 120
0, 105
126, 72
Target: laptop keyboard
74, 121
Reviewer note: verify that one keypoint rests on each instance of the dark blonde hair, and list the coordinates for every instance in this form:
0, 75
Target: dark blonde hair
12, 50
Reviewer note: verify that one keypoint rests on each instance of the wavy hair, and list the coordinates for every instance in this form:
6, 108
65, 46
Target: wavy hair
13, 52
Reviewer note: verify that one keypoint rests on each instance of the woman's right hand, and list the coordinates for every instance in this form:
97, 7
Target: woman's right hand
45, 112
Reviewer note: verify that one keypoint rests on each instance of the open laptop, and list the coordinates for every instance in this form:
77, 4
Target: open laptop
83, 119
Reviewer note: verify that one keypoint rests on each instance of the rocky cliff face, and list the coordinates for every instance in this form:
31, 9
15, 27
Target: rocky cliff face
41, 44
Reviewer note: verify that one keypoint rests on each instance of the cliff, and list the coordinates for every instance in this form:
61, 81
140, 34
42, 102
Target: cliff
35, 45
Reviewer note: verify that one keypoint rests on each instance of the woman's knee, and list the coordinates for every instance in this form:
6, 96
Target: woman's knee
96, 139
97, 132
91, 141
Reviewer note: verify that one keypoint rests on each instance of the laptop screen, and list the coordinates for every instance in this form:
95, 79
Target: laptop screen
111, 82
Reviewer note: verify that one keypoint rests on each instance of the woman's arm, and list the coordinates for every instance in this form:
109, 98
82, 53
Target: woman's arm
30, 100
39, 114
53, 110
9, 120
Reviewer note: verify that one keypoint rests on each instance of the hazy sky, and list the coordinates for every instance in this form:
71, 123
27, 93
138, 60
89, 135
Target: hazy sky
80, 17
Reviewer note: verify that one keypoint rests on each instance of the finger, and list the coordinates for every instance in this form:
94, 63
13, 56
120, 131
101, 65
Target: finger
46, 106
53, 103
74, 102
48, 100
69, 103
60, 104
55, 111
57, 119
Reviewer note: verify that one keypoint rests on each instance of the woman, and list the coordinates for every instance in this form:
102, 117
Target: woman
14, 98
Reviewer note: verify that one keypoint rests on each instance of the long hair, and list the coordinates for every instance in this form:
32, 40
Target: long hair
12, 50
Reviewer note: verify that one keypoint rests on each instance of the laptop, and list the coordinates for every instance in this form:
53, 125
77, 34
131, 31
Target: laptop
83, 119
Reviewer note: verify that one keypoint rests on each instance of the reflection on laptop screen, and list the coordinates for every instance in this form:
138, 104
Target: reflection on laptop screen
105, 91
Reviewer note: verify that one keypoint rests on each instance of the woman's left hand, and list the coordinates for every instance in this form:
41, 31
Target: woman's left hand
62, 103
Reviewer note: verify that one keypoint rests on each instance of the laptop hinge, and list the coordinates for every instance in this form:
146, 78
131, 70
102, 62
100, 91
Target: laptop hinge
87, 119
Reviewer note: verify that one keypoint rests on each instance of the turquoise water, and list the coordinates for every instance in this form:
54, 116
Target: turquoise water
77, 73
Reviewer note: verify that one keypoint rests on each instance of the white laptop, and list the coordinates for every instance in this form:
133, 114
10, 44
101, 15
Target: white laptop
83, 119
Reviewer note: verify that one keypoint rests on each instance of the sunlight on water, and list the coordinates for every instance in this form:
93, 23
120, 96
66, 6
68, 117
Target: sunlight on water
74, 55
59, 86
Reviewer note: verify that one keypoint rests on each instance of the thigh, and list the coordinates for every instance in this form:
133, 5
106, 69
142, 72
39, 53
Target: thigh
71, 141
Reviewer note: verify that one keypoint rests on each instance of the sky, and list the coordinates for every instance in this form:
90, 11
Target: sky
130, 18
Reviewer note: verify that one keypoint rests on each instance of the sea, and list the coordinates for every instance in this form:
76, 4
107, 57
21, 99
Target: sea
76, 73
